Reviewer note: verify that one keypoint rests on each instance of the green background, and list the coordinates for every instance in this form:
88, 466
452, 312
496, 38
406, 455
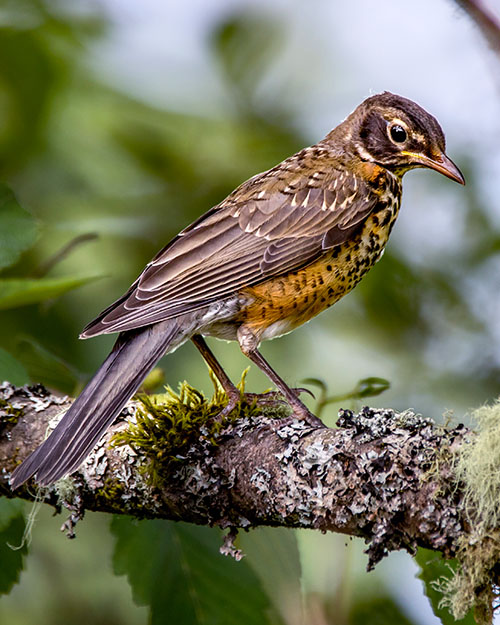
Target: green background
120, 123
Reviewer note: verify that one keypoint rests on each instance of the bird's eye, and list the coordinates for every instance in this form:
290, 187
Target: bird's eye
398, 134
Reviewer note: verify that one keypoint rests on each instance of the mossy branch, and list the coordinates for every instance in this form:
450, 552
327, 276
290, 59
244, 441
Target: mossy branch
396, 479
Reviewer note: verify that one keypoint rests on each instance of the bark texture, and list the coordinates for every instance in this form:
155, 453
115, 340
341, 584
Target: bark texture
381, 475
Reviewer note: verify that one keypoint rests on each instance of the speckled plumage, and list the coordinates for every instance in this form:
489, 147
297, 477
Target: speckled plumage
281, 248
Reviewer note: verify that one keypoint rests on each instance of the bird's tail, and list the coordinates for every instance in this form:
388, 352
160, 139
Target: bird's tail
134, 354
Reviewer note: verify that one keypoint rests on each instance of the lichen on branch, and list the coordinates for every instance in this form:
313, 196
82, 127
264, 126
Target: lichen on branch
389, 477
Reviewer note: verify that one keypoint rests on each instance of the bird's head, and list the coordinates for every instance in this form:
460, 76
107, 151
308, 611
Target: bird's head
399, 135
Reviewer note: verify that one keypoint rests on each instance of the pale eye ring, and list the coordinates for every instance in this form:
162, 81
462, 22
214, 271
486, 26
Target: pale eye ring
397, 133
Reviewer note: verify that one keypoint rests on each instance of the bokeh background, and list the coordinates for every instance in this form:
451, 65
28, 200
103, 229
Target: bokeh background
122, 121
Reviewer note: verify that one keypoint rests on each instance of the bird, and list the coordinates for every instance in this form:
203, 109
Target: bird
281, 248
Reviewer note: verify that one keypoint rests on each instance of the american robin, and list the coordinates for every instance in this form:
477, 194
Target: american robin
281, 248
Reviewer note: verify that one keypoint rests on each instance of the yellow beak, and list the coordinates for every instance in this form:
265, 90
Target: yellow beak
442, 164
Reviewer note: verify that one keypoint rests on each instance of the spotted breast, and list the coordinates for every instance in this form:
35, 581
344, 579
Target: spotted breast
280, 305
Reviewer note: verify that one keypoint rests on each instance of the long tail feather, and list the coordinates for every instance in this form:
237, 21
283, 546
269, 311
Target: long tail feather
135, 353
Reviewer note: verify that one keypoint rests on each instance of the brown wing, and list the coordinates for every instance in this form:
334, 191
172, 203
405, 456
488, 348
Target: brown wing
266, 229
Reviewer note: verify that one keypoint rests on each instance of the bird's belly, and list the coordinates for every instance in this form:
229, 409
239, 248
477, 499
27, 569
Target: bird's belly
281, 304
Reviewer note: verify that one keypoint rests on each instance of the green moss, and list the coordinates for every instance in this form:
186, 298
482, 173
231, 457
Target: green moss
113, 489
112, 492
8, 414
169, 425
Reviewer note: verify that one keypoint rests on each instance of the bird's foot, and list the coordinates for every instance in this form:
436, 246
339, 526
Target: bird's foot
306, 415
272, 399
265, 400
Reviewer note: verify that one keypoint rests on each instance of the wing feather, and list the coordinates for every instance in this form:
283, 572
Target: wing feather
271, 230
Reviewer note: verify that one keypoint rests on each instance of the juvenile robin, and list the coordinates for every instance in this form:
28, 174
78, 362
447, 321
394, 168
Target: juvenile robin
281, 248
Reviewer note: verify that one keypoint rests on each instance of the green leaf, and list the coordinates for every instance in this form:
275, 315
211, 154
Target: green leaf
12, 370
367, 387
11, 534
371, 387
21, 292
177, 570
18, 229
28, 76
273, 554
9, 510
378, 610
45, 367
434, 567
245, 46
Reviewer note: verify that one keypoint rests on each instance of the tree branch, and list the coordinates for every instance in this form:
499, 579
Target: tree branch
485, 19
382, 475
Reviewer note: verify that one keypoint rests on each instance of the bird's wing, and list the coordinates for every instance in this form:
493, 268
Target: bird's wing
267, 229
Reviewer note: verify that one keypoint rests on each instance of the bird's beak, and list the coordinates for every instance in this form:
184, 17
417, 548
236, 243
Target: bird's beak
441, 163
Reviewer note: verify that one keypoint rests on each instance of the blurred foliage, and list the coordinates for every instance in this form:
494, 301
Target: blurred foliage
103, 180
18, 229
433, 568
177, 570
237, 40
22, 292
12, 370
12, 549
273, 554
377, 611
92, 160
367, 387
18, 232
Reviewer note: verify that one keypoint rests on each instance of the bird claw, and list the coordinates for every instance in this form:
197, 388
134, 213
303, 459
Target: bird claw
269, 396
300, 390
267, 400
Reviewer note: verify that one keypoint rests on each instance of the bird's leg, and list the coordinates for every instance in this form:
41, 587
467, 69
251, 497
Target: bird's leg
248, 344
234, 395
230, 389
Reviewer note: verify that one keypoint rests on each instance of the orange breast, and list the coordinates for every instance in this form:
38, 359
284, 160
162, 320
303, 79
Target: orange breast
280, 304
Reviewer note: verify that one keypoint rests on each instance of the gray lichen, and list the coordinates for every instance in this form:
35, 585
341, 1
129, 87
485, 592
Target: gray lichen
476, 462
382, 475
